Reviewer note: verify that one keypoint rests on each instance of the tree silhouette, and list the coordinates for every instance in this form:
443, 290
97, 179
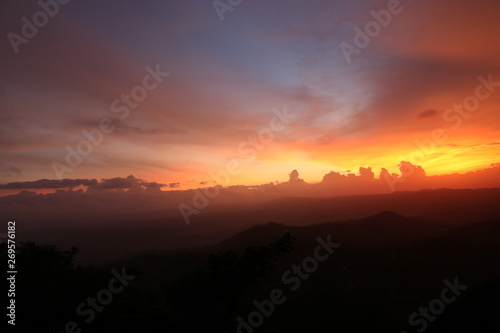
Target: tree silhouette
212, 296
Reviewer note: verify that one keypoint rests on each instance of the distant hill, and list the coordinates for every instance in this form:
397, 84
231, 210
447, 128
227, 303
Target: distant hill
387, 267
377, 230
408, 215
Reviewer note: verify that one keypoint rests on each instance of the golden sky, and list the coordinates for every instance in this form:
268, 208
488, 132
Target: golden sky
424, 88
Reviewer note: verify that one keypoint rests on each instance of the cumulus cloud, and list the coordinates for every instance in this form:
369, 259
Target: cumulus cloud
366, 173
333, 177
294, 176
411, 172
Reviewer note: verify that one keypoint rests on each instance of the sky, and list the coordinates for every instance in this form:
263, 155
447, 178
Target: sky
169, 92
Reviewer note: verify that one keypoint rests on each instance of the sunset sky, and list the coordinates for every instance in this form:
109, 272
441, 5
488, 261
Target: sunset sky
227, 80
